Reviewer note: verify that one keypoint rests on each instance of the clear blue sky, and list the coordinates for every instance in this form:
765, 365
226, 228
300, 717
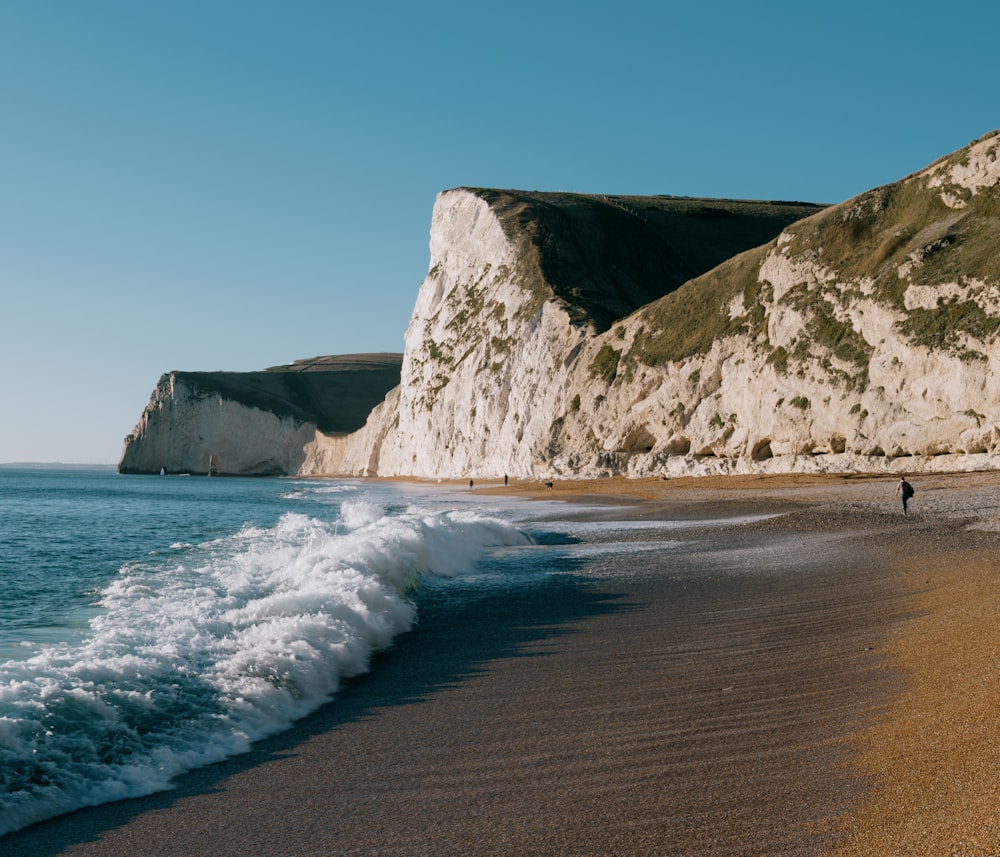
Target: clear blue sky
233, 185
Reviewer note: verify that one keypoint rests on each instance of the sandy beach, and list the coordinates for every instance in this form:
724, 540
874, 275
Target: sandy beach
820, 681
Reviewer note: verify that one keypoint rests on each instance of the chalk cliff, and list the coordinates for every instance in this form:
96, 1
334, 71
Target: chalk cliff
573, 335
519, 282
863, 338
255, 423
564, 335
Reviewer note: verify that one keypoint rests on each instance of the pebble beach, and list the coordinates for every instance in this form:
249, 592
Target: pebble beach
816, 675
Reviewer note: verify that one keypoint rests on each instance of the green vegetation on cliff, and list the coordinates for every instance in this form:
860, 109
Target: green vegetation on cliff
604, 257
689, 320
875, 246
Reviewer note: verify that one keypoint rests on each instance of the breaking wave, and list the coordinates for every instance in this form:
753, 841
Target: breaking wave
198, 651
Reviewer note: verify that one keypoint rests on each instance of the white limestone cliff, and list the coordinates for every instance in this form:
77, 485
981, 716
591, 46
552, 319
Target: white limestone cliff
484, 364
186, 430
262, 423
572, 336
822, 361
888, 402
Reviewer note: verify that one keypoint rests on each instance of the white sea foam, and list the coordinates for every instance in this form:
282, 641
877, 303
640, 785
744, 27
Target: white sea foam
318, 489
198, 652
626, 526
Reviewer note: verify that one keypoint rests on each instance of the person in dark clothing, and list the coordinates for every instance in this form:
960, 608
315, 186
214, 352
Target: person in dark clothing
905, 491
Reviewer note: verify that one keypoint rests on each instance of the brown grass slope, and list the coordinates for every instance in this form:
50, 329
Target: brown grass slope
865, 239
606, 256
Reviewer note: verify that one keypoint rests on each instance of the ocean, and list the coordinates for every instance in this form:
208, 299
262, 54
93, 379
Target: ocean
153, 625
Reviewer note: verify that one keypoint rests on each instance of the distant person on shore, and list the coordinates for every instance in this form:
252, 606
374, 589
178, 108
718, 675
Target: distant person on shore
905, 491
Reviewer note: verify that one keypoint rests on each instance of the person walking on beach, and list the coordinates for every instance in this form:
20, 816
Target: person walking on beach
905, 491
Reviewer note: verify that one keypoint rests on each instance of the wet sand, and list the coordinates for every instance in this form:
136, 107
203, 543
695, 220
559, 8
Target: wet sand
819, 682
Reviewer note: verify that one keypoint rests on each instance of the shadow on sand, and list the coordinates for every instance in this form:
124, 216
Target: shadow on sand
459, 630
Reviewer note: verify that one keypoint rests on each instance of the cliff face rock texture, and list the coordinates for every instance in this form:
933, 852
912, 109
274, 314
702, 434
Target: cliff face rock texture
559, 335
862, 336
571, 335
255, 423
519, 283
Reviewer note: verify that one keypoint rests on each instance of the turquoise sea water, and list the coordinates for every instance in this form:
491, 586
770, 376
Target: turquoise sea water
152, 625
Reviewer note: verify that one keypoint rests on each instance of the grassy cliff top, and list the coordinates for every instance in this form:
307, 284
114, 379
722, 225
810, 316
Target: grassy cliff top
606, 256
911, 232
337, 393
341, 363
